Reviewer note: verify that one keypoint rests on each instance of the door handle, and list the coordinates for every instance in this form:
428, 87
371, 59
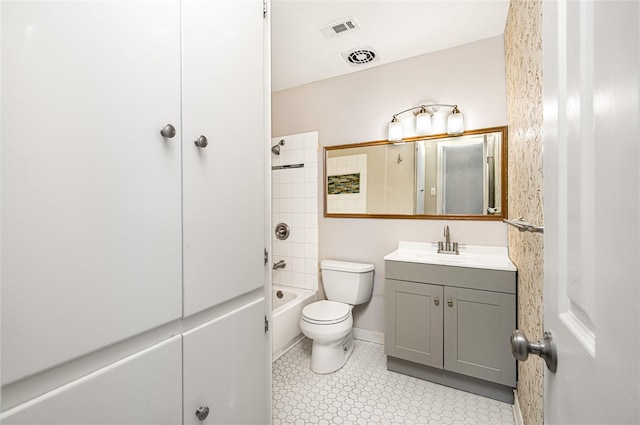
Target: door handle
521, 348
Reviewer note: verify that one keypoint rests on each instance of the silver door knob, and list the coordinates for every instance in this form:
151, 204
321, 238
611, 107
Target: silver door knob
201, 142
521, 348
168, 131
202, 413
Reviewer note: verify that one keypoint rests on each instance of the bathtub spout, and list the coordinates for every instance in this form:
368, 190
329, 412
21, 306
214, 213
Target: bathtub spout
279, 265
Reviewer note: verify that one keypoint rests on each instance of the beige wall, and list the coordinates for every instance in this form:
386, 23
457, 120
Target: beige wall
523, 51
358, 107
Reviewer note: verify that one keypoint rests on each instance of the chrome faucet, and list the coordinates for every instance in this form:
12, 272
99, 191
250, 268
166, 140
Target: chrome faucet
279, 265
447, 239
447, 247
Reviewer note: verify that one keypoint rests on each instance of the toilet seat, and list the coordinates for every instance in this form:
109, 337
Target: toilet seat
326, 312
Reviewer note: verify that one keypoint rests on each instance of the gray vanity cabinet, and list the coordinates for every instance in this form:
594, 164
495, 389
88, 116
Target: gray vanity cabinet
414, 326
477, 325
451, 325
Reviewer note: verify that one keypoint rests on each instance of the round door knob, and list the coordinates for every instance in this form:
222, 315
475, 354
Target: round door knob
450, 303
436, 301
168, 131
521, 347
201, 142
202, 413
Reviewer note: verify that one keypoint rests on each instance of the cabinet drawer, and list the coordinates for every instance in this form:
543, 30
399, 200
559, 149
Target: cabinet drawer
464, 277
144, 388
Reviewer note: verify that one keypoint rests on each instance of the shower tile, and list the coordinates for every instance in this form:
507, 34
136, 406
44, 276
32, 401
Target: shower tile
311, 190
297, 250
297, 265
311, 281
311, 250
311, 221
310, 155
311, 173
297, 205
365, 392
310, 205
297, 220
285, 190
297, 190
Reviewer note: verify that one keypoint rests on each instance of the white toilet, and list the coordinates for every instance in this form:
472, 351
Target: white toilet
329, 323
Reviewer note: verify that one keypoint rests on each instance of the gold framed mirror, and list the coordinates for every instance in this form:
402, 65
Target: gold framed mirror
461, 177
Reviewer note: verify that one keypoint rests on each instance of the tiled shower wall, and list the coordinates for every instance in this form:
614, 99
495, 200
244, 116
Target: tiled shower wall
294, 201
523, 60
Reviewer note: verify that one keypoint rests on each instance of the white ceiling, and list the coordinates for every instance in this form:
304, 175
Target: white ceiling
395, 29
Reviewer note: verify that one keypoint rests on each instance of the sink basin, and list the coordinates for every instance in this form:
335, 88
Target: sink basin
474, 256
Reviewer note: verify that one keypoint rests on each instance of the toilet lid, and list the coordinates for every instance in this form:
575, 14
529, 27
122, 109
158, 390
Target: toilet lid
326, 312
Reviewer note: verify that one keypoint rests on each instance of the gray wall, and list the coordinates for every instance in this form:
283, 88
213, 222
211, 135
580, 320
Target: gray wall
358, 107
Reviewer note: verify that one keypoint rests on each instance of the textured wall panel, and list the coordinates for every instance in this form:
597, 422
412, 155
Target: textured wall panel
523, 59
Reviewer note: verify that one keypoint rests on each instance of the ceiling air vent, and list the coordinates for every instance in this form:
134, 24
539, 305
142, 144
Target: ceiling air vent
340, 27
359, 55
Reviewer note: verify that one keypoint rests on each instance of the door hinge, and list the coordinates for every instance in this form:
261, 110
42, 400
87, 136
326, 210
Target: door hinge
264, 9
266, 256
266, 324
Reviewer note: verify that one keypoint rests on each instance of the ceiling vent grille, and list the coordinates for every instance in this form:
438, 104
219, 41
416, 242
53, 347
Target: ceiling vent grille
341, 27
360, 55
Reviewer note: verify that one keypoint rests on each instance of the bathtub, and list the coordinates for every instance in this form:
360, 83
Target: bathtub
286, 317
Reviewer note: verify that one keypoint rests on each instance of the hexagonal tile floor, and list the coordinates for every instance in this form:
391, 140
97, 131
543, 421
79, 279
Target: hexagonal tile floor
365, 392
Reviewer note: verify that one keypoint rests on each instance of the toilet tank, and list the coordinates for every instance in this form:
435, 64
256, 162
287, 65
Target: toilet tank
346, 282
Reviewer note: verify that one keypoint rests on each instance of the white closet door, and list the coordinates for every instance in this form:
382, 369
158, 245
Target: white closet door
91, 238
223, 100
224, 369
144, 388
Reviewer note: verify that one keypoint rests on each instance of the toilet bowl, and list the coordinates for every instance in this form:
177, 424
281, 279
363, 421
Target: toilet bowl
329, 323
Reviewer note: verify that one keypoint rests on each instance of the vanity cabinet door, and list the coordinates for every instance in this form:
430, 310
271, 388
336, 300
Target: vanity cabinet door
224, 369
414, 322
223, 96
477, 326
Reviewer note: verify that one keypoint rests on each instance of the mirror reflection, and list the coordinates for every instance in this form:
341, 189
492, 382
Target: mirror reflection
425, 177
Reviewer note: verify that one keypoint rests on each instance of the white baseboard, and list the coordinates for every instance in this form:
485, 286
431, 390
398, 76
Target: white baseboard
517, 413
370, 336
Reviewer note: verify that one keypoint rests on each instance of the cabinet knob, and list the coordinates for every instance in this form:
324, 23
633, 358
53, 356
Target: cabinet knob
450, 303
202, 413
168, 131
436, 301
201, 142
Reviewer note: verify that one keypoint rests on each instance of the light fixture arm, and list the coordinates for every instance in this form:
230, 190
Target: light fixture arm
455, 123
421, 107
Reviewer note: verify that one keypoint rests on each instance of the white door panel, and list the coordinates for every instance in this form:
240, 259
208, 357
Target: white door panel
223, 93
224, 368
592, 214
90, 189
144, 388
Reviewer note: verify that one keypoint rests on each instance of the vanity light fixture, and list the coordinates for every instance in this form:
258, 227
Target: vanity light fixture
455, 121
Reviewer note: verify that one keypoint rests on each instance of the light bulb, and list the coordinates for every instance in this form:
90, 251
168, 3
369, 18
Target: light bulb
455, 122
423, 122
395, 130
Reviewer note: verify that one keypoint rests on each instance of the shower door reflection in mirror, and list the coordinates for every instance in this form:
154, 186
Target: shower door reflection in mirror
458, 177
